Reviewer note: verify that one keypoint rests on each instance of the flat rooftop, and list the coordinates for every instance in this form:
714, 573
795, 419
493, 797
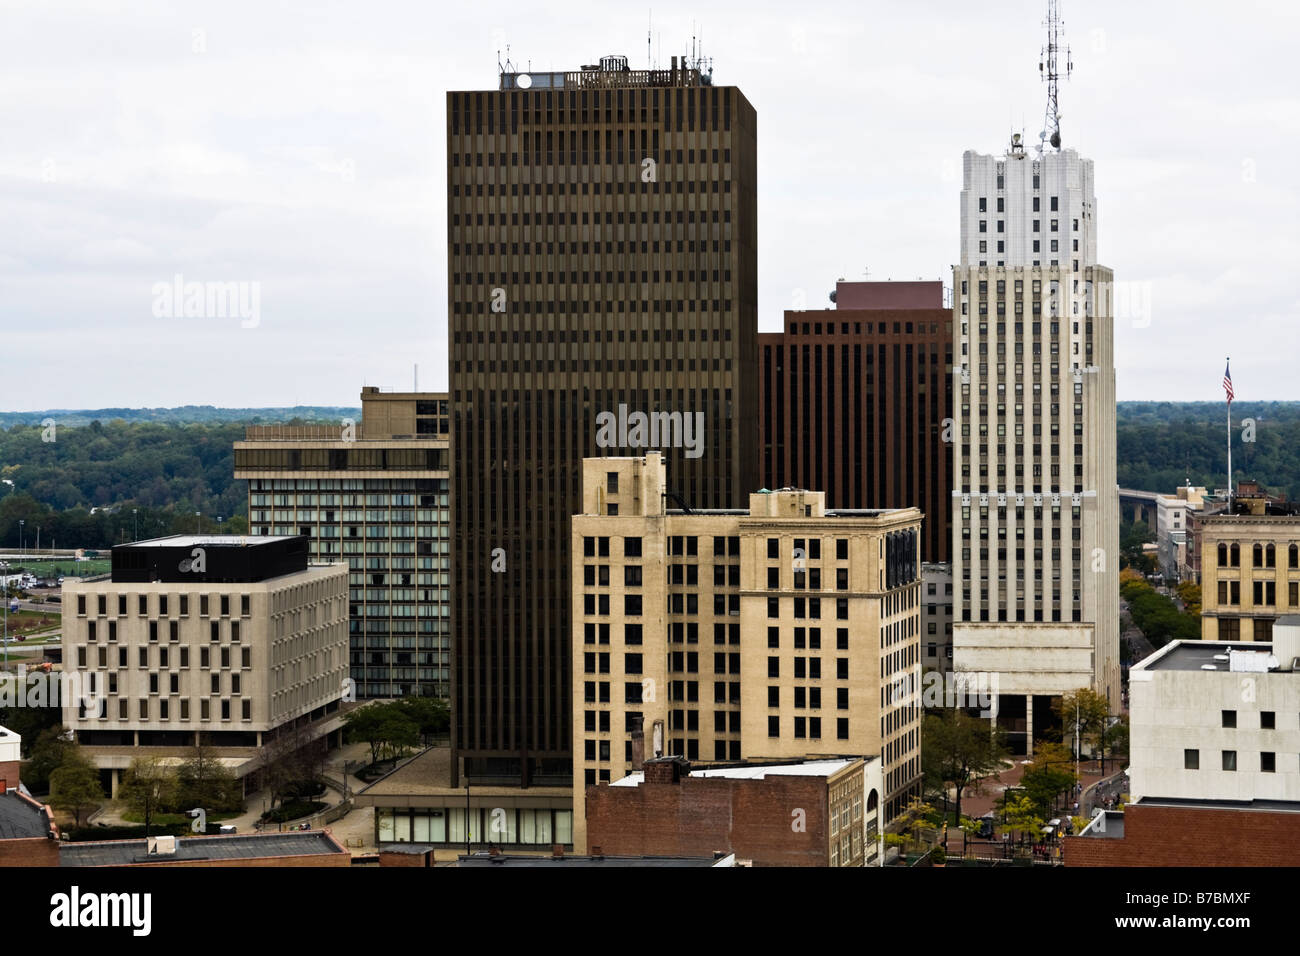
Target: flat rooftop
209, 541
1199, 655
194, 849
812, 768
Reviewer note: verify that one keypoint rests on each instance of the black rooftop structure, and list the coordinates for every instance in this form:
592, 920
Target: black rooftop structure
209, 557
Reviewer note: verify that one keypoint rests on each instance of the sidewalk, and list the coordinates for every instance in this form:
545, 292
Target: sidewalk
975, 804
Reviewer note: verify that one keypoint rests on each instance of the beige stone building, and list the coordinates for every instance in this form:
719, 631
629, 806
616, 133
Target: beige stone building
233, 638
1250, 574
1036, 504
779, 631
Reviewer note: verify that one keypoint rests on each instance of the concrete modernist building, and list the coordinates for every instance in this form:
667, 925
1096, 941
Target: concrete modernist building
1214, 759
1035, 501
601, 262
781, 631
856, 401
234, 638
1217, 720
804, 813
374, 494
1250, 574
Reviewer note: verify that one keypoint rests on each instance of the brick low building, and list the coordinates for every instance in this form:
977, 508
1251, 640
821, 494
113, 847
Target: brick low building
814, 813
1214, 833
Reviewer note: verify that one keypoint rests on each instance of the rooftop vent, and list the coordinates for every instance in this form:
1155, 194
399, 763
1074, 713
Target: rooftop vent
612, 64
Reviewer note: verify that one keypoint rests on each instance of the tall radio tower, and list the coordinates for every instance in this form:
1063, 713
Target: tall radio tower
1048, 68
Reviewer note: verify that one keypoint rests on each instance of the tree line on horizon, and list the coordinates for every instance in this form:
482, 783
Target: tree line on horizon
168, 464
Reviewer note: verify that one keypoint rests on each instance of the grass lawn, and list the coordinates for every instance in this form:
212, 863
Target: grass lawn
63, 568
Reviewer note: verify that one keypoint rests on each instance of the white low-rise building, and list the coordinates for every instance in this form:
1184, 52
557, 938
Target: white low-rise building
1215, 720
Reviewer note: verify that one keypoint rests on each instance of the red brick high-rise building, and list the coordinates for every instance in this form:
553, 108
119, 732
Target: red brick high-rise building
853, 402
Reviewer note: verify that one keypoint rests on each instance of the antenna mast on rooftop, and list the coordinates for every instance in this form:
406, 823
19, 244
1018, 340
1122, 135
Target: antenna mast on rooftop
1047, 66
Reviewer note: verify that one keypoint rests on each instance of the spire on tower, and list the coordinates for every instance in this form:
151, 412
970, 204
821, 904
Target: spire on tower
1047, 66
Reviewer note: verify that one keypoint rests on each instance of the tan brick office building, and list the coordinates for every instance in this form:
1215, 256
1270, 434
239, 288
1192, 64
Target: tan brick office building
250, 641
780, 631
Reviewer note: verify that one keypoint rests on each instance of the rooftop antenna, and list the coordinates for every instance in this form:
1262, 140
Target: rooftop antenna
1047, 66
650, 25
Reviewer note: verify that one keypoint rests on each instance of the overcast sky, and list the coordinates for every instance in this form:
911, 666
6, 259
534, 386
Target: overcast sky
300, 147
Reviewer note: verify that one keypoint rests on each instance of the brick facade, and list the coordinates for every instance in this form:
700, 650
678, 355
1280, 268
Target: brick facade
1192, 836
33, 851
698, 816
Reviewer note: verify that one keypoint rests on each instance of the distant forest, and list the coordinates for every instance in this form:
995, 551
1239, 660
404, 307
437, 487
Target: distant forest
168, 463
1162, 444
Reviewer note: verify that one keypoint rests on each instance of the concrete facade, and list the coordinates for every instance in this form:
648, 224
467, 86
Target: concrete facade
936, 616
1021, 210
231, 661
1225, 734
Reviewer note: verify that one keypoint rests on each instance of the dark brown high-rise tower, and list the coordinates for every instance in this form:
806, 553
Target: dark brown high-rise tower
601, 262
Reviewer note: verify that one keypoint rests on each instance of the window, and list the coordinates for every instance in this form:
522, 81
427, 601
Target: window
611, 482
1267, 720
1191, 760
1268, 762
1230, 760
774, 547
1229, 718
774, 726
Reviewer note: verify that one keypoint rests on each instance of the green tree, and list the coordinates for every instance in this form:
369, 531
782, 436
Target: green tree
957, 750
1086, 709
1051, 774
204, 781
47, 755
385, 727
148, 787
75, 786
1022, 816
431, 714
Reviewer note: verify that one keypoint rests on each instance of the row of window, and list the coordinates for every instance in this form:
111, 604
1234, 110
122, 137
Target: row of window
984, 200
1262, 556
165, 710
161, 605
205, 657
1228, 760
1264, 593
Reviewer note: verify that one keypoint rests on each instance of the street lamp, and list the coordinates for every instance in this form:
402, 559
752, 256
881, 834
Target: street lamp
135, 526
197, 525
21, 538
4, 576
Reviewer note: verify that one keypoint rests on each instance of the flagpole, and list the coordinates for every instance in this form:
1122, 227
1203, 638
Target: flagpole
1230, 488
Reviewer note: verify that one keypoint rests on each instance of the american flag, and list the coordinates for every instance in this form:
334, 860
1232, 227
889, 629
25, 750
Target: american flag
1227, 383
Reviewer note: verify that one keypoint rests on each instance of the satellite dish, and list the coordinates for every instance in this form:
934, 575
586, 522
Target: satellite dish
1056, 140
523, 81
